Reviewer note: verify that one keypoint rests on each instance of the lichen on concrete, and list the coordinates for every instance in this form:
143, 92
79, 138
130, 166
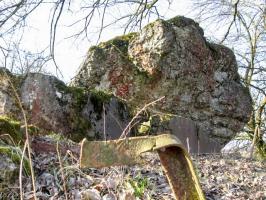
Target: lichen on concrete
172, 58
54, 107
13, 131
12, 128
120, 42
78, 94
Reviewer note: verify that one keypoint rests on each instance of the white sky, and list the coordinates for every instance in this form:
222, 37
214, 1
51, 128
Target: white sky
70, 54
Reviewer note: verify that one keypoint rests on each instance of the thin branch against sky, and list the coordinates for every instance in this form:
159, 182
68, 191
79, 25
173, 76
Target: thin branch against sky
69, 28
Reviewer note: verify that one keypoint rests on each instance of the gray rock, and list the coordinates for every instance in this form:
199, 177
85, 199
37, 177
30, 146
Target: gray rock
54, 107
173, 59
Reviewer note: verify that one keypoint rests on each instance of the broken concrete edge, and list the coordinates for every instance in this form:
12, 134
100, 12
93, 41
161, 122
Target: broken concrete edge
66, 113
126, 151
141, 67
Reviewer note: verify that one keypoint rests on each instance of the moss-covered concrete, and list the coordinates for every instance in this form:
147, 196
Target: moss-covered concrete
15, 154
13, 131
79, 98
98, 98
79, 94
12, 128
121, 42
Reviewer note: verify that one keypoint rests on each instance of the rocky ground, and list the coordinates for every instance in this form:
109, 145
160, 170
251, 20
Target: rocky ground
224, 177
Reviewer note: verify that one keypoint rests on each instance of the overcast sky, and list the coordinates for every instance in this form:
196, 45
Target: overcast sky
70, 53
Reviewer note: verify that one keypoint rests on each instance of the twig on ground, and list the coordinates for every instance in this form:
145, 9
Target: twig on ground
20, 170
62, 170
27, 141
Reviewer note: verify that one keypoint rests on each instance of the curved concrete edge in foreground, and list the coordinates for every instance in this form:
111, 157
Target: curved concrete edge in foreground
174, 158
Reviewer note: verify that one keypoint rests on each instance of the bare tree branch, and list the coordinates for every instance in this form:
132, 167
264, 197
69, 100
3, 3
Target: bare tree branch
234, 19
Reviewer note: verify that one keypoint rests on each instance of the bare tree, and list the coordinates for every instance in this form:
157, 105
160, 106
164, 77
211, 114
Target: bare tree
244, 26
131, 13
20, 61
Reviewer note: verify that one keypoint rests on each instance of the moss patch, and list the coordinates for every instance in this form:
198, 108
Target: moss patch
99, 53
12, 132
12, 128
79, 97
98, 98
120, 42
15, 155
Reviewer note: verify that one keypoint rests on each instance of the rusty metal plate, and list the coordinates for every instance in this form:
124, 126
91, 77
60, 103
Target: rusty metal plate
175, 160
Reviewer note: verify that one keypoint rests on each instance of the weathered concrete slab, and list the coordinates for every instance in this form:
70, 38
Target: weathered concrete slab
193, 139
172, 58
